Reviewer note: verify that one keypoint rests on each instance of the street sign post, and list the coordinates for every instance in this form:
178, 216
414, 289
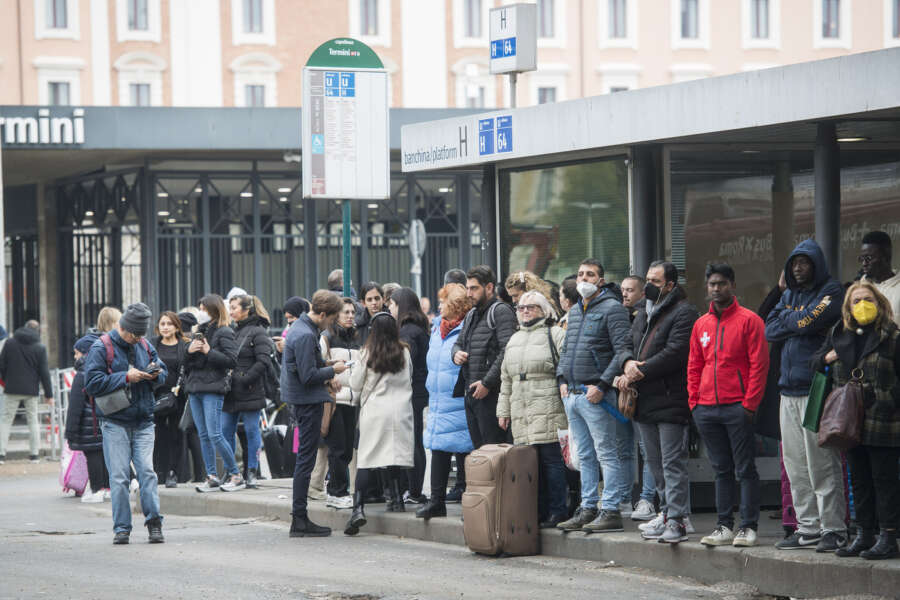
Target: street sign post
513, 42
417, 239
345, 129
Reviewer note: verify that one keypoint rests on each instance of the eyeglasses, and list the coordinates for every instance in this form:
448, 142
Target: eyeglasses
865, 259
524, 307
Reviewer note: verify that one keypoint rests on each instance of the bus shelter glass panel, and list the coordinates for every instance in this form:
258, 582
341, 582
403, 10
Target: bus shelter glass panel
553, 217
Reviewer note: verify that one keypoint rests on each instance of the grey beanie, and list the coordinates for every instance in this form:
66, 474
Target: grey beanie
136, 319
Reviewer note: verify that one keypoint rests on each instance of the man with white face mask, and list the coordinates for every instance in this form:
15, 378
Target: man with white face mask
598, 342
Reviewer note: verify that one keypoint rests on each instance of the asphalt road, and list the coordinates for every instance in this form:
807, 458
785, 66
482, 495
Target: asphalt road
53, 546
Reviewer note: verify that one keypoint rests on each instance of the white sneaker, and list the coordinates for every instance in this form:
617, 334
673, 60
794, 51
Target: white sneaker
89, 498
745, 537
315, 494
643, 511
688, 526
107, 495
339, 501
656, 523
722, 536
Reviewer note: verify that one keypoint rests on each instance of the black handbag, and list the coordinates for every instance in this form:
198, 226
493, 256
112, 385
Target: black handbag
165, 404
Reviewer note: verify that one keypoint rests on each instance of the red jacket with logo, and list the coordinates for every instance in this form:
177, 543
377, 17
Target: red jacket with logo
729, 358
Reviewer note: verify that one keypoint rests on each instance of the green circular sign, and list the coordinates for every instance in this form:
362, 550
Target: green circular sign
345, 53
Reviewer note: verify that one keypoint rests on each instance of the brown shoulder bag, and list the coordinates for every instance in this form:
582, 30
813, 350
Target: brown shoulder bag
843, 414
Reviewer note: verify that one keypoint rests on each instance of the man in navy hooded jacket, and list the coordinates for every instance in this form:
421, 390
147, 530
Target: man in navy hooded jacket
809, 307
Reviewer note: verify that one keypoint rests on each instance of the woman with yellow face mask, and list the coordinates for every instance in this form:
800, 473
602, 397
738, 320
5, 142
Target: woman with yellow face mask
866, 341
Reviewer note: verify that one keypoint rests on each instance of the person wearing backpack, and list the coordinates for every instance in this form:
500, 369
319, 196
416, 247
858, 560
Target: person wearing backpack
123, 360
529, 404
479, 352
210, 359
247, 395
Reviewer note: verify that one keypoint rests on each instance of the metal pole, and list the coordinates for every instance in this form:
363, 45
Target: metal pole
827, 173
347, 248
2, 247
512, 89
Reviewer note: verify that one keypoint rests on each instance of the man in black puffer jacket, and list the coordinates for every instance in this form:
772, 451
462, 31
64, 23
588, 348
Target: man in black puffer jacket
482, 342
23, 365
661, 333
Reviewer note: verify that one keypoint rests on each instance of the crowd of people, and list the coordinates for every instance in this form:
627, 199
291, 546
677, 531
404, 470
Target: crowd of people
374, 380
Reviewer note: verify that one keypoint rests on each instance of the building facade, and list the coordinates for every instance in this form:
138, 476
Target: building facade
248, 53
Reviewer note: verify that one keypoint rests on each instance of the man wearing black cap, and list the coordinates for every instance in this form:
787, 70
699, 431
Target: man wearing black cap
123, 360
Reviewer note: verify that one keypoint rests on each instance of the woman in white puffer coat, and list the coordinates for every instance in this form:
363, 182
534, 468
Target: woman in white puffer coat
529, 399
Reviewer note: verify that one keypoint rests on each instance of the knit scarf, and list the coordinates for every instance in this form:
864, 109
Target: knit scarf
448, 326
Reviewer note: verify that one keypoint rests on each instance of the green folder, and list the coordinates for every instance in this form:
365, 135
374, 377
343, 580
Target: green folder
818, 392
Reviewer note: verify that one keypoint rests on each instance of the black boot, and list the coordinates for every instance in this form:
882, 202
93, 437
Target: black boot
358, 516
885, 547
154, 528
253, 478
395, 499
433, 508
171, 480
865, 539
303, 527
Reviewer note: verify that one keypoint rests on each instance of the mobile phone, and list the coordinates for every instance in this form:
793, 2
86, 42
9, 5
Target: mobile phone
350, 363
153, 368
198, 335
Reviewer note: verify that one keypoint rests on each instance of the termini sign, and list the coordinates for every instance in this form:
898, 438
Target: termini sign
43, 129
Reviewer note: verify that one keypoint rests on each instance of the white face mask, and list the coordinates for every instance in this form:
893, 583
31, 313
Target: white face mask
203, 317
586, 289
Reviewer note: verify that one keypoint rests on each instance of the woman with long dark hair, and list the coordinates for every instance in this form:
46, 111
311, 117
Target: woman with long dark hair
248, 395
171, 347
405, 307
383, 382
211, 356
371, 295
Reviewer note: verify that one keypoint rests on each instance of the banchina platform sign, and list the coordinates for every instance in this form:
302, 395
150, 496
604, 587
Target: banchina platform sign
344, 126
470, 140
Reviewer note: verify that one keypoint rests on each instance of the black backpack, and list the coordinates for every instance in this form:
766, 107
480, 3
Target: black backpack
272, 376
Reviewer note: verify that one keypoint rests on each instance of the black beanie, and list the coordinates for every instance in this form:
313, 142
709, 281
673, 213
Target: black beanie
296, 305
188, 320
136, 319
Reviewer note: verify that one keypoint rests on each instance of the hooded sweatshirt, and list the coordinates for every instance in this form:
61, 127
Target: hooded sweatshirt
23, 364
802, 319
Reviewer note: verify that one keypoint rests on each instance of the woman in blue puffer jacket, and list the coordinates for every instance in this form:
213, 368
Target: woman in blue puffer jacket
447, 431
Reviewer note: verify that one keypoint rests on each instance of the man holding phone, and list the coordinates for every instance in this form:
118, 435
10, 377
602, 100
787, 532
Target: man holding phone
304, 377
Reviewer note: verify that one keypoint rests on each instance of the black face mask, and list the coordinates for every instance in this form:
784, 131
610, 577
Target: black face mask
652, 292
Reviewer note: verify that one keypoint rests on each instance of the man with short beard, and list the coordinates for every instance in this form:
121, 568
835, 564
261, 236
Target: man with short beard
479, 351
632, 294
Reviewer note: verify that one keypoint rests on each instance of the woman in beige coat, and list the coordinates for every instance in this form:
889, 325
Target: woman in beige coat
383, 384
529, 399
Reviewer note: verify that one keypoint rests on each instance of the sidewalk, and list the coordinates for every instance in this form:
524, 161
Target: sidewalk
801, 573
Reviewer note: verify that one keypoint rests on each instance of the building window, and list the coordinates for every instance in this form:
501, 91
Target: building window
139, 94
618, 19
546, 95
475, 96
475, 86
545, 19
759, 19
895, 18
253, 16
254, 95
137, 15
472, 18
57, 14
58, 93
368, 17
831, 19
690, 25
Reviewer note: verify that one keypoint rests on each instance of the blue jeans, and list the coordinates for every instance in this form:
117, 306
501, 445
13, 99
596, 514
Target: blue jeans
206, 409
594, 431
648, 487
251, 428
625, 454
121, 447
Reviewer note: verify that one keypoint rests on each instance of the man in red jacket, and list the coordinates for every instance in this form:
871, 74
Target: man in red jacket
727, 368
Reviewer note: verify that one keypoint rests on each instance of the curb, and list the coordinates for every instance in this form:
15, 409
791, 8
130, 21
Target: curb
776, 572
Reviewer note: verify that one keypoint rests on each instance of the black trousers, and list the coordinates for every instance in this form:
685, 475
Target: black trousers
416, 475
168, 445
368, 477
97, 473
481, 416
196, 464
876, 488
308, 418
340, 449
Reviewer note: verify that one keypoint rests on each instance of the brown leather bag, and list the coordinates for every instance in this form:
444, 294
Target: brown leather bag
841, 424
